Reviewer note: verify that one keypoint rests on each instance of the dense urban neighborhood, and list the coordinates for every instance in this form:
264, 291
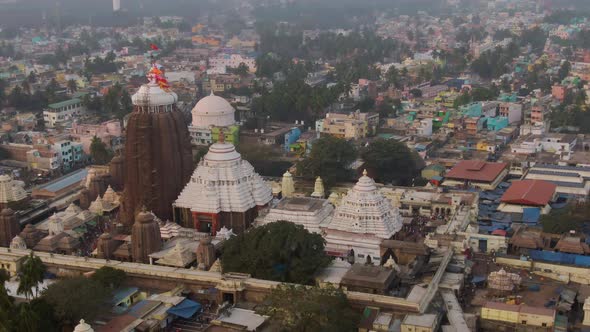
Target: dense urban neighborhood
295, 165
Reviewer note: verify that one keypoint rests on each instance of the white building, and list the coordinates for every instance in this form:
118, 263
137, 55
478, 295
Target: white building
63, 112
223, 191
311, 213
362, 220
570, 180
211, 111
232, 61
11, 190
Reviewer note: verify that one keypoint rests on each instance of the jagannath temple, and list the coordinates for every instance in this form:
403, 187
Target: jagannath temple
158, 157
224, 191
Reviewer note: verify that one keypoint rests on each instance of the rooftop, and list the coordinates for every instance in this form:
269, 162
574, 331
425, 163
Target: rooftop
476, 170
65, 103
529, 192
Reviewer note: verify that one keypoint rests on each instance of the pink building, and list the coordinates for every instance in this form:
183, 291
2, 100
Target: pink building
109, 132
558, 92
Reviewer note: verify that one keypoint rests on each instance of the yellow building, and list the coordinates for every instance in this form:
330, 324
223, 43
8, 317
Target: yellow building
518, 314
350, 126
12, 264
500, 311
421, 323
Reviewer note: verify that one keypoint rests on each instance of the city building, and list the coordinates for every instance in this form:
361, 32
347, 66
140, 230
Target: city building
109, 132
570, 180
219, 63
528, 194
158, 157
350, 126
476, 173
362, 220
224, 191
62, 113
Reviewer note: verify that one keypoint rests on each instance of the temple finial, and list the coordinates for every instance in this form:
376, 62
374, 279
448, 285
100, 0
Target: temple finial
221, 136
365, 172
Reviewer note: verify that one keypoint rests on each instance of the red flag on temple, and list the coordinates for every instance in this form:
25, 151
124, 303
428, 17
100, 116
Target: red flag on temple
154, 47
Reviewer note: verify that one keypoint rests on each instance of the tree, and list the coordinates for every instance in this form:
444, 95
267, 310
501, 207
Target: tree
242, 70
31, 275
99, 152
2, 92
109, 277
416, 93
572, 218
76, 298
280, 251
306, 309
329, 158
564, 70
393, 78
72, 85
390, 161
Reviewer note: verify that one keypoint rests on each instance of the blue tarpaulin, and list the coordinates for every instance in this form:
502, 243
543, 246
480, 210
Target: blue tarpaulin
185, 309
531, 215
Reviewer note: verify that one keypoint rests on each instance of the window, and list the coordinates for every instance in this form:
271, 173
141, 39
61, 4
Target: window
523, 322
544, 324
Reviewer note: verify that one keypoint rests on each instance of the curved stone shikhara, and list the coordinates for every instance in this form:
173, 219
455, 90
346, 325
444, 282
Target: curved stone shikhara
223, 182
158, 158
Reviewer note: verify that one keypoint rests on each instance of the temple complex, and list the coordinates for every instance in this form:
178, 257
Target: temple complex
311, 213
224, 191
9, 227
212, 115
11, 191
362, 220
158, 157
145, 237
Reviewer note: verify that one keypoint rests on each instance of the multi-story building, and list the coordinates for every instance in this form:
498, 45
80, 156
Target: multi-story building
232, 61
512, 111
69, 153
62, 113
351, 126
109, 132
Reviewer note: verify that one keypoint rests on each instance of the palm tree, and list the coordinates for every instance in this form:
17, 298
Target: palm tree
28, 319
31, 275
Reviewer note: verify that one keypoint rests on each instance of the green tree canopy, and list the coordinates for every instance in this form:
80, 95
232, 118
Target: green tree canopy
305, 309
329, 158
281, 251
568, 219
110, 277
390, 161
77, 298
99, 152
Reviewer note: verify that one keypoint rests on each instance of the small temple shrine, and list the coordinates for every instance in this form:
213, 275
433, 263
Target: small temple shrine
361, 222
224, 191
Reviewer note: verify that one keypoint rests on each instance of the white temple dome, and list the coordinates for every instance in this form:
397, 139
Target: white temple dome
83, 327
152, 94
366, 211
213, 111
224, 182
11, 190
56, 225
73, 208
18, 243
222, 152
